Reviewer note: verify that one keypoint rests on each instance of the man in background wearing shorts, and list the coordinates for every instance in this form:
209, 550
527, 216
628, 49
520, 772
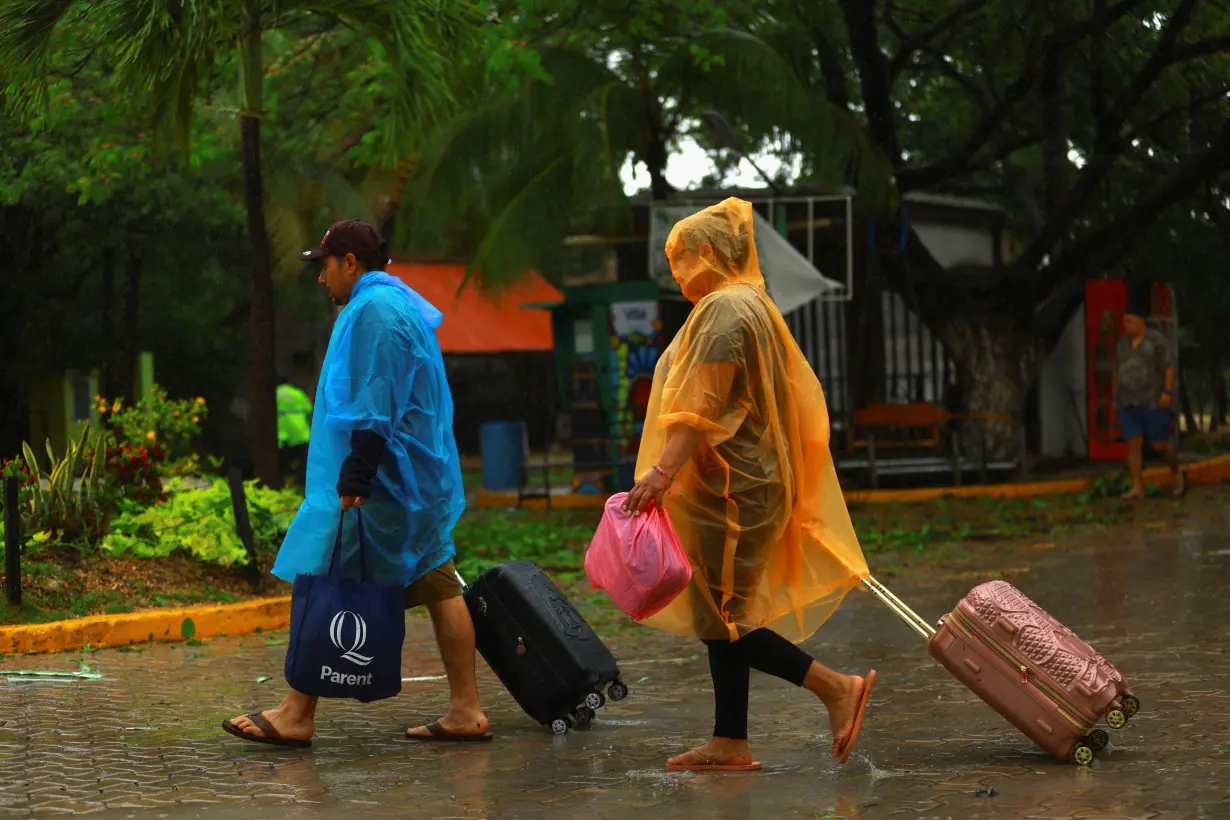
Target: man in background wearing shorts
1144, 394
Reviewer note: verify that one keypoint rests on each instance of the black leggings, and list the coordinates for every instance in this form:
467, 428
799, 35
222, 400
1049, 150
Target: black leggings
730, 663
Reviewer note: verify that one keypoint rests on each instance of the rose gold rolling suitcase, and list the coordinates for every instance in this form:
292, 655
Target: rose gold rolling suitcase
1027, 666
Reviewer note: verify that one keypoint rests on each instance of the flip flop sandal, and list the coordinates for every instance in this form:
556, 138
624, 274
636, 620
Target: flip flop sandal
707, 764
438, 734
859, 712
270, 734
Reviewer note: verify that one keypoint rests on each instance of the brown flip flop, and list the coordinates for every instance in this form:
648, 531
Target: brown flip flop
270, 737
859, 712
438, 734
708, 764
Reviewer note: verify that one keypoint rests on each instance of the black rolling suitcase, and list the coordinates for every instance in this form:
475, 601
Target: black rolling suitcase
545, 654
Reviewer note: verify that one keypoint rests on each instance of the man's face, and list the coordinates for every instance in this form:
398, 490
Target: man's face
1133, 325
338, 275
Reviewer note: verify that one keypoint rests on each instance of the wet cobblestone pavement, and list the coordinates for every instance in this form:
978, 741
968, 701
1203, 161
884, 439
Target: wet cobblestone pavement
143, 741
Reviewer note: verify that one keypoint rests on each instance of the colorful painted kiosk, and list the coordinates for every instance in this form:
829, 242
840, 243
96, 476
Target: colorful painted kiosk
608, 337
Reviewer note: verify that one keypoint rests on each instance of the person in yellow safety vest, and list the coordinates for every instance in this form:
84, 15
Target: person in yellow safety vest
294, 430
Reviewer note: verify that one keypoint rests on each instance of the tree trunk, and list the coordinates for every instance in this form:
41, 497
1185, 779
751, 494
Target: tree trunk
995, 366
126, 375
23, 253
263, 421
865, 334
1217, 387
1055, 146
107, 383
872, 65
655, 163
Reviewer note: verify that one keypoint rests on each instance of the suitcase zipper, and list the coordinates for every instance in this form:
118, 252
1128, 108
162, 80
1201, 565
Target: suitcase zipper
1066, 708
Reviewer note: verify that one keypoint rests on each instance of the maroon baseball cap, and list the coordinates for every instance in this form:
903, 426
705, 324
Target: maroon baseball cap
351, 236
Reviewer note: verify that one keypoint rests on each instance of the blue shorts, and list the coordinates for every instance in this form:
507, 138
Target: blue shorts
1151, 424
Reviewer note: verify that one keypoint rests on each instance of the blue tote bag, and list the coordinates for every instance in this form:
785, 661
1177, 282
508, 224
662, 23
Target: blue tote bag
346, 636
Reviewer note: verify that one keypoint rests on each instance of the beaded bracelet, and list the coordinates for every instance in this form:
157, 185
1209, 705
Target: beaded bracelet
669, 481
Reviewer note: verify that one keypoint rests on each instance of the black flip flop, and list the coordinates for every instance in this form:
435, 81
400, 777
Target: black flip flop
270, 734
438, 734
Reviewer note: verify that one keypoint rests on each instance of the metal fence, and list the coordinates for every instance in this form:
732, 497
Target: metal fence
916, 367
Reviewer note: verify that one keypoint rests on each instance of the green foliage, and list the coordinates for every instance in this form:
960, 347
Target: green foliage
555, 541
65, 502
156, 420
201, 522
1107, 485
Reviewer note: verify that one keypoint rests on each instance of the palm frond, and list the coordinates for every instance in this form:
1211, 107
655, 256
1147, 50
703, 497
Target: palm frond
166, 48
756, 86
424, 41
27, 29
549, 151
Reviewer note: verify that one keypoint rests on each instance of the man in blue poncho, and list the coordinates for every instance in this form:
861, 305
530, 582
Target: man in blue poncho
382, 440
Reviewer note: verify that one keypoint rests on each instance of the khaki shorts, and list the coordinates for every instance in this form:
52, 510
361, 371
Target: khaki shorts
440, 584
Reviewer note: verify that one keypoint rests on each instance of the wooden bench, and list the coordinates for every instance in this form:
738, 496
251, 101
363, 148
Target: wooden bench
918, 417
916, 427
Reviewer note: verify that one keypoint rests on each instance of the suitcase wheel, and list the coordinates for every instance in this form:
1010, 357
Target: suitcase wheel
1082, 754
1116, 718
560, 726
1098, 739
583, 717
595, 700
1131, 705
617, 691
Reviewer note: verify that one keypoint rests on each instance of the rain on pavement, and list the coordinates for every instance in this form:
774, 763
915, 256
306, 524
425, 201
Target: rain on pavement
143, 741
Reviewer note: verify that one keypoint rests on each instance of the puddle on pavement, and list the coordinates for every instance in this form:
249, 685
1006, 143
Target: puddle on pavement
1157, 608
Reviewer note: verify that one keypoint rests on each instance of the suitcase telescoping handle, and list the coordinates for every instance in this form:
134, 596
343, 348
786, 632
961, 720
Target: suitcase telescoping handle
912, 619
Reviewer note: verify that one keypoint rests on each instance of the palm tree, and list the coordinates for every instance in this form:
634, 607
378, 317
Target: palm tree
163, 50
510, 178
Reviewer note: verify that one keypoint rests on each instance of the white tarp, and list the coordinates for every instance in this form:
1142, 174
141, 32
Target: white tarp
791, 280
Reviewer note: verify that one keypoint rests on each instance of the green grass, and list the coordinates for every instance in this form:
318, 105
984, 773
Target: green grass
897, 539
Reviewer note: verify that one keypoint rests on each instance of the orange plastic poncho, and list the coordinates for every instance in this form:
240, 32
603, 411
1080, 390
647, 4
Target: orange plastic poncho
758, 507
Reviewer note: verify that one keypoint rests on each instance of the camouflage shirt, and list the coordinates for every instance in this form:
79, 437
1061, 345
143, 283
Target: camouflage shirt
1142, 369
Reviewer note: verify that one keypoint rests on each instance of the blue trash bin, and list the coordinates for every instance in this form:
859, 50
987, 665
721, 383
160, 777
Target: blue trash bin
502, 447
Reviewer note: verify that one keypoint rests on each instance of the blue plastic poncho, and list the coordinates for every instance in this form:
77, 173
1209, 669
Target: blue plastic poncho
383, 372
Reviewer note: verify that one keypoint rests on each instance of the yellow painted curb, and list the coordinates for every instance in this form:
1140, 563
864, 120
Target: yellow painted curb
141, 627
1210, 471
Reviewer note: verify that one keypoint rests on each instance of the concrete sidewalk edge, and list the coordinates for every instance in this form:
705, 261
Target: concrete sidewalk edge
1209, 471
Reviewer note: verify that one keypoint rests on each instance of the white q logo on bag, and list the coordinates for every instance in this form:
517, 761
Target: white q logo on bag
337, 628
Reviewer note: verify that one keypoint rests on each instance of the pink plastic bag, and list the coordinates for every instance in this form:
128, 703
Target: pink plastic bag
637, 560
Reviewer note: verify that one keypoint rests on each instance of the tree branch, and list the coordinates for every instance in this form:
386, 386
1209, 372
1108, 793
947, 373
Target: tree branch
961, 157
1103, 247
983, 98
911, 43
831, 69
1201, 48
1097, 64
954, 167
1108, 130
1107, 145
873, 75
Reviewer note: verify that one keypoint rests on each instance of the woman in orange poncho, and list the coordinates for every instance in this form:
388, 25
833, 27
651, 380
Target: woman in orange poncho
736, 447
